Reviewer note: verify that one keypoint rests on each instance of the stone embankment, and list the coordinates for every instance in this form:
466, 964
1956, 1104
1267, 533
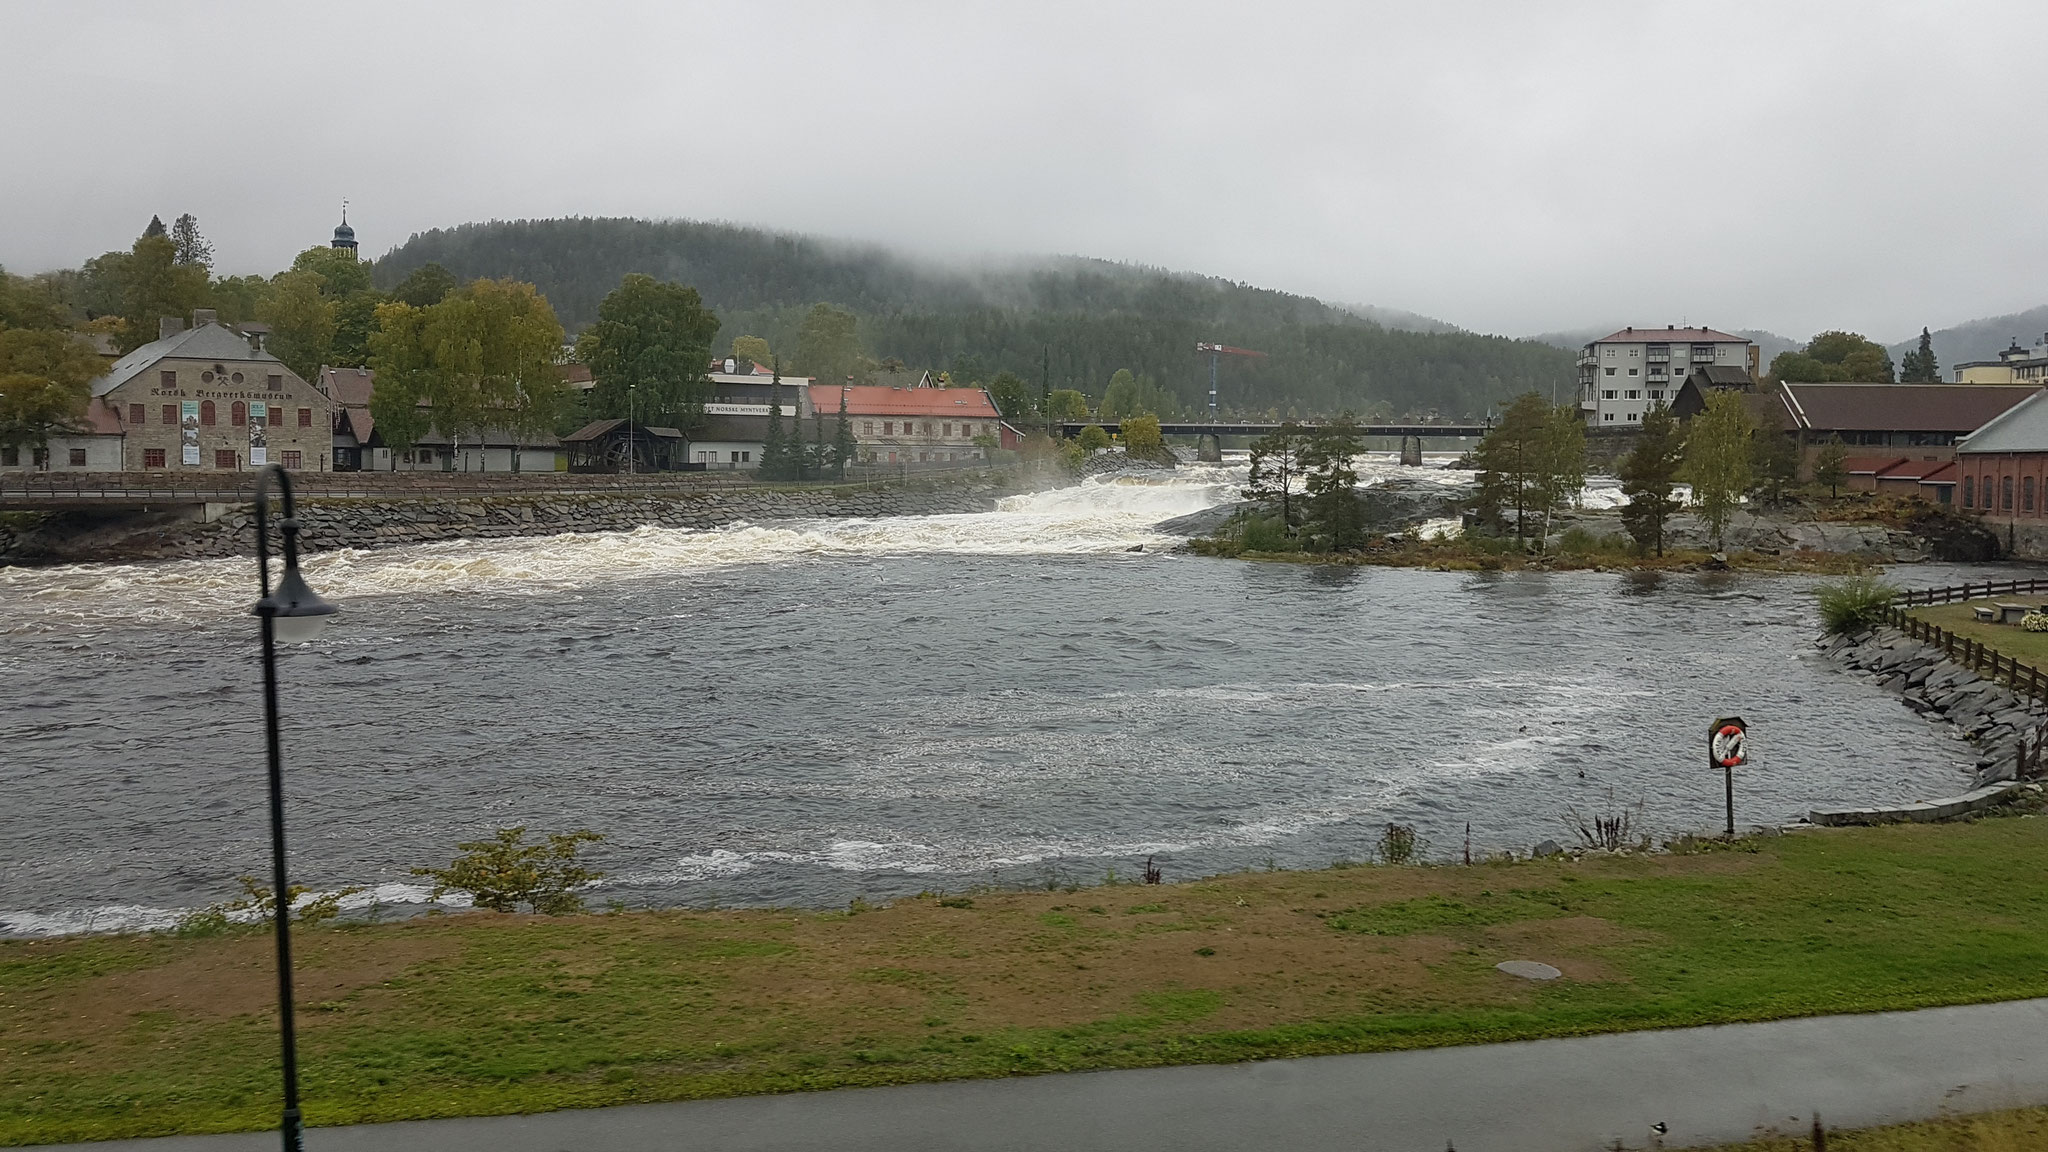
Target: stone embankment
1985, 712
329, 522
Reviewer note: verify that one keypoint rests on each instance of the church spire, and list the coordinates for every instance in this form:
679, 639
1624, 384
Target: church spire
344, 236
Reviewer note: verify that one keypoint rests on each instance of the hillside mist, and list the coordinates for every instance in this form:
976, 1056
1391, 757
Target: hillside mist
1069, 321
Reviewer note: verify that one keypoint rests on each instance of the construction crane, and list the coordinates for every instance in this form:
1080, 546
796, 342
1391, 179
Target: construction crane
1216, 354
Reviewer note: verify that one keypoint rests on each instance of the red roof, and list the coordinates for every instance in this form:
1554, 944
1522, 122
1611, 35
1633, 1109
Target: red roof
872, 400
1870, 465
1946, 474
1671, 336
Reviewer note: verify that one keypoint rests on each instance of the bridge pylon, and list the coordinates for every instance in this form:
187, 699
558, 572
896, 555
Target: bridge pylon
1411, 451
1209, 448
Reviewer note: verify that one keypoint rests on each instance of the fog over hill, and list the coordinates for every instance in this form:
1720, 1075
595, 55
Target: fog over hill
1980, 339
1063, 321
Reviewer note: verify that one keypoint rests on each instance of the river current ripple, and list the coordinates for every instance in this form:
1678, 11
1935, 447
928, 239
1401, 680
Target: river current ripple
801, 713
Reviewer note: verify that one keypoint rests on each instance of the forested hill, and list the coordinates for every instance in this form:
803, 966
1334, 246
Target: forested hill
1088, 318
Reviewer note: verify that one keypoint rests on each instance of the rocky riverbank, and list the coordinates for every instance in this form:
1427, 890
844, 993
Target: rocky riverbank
329, 523
1986, 713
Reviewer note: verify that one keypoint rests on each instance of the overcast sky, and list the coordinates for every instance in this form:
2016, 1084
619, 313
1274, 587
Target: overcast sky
1511, 167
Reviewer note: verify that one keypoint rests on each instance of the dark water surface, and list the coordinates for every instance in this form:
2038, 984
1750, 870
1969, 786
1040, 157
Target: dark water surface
883, 708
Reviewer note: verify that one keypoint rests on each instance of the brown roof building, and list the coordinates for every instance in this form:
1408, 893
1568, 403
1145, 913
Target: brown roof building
1930, 417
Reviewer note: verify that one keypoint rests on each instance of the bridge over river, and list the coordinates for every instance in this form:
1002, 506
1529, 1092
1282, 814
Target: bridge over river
1209, 433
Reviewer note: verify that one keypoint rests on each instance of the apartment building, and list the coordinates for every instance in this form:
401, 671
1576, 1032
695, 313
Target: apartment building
1623, 375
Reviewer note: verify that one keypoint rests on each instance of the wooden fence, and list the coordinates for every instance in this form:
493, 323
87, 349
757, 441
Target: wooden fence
1990, 663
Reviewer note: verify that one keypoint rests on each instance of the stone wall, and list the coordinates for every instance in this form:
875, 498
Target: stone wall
1986, 713
329, 522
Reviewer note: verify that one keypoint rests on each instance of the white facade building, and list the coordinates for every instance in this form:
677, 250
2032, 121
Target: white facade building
1624, 375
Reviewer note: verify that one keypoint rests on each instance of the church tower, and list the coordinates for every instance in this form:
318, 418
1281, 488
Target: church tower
344, 236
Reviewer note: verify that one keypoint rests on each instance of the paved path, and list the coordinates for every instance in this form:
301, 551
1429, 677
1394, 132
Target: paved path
1708, 1085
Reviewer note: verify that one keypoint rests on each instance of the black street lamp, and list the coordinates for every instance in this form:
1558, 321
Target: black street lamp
292, 613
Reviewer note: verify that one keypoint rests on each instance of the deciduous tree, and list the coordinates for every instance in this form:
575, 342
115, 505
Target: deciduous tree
1066, 406
1717, 460
1015, 399
484, 357
1837, 356
301, 323
341, 274
828, 346
425, 286
654, 337
1142, 440
1648, 474
157, 286
45, 384
751, 350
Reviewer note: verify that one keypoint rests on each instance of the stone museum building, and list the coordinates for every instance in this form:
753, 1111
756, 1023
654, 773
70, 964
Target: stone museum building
205, 397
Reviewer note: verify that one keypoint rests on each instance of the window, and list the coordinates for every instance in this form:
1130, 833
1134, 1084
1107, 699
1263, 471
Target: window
1635, 394
275, 383
1609, 394
426, 455
171, 414
1969, 491
305, 417
224, 458
967, 429
949, 428
2027, 494
888, 427
1635, 371
152, 457
167, 378
1608, 417
292, 459
1610, 353
206, 413
1610, 371
867, 427
238, 415
747, 457
10, 457
1635, 416
2005, 494
1634, 352
735, 457
78, 457
1656, 393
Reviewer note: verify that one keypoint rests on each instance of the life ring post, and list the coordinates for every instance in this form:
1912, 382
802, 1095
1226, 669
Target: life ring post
1725, 749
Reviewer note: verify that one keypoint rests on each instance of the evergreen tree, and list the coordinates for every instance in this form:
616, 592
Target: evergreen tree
1919, 365
1648, 474
1829, 465
1774, 462
189, 245
1717, 460
843, 444
156, 226
1335, 522
775, 453
818, 455
1276, 468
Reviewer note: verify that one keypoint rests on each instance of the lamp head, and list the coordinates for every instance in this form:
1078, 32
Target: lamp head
297, 612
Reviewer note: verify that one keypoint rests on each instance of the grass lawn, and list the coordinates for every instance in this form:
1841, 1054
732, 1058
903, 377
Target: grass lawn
2025, 1130
2011, 639
487, 1013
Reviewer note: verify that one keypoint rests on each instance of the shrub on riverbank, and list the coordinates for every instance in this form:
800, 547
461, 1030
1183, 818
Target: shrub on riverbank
1854, 604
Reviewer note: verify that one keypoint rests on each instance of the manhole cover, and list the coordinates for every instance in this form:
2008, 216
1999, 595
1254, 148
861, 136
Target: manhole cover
1528, 969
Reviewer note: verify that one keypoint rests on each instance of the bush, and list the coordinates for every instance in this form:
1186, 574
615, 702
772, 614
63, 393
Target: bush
1579, 541
503, 873
1399, 844
1267, 534
2035, 621
1093, 438
1854, 604
256, 908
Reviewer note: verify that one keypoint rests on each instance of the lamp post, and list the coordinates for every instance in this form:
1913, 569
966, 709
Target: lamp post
291, 612
632, 456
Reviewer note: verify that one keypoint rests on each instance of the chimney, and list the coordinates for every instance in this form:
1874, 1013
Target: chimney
202, 316
255, 343
169, 326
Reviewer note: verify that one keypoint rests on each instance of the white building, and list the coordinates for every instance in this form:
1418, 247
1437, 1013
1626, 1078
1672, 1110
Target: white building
1623, 375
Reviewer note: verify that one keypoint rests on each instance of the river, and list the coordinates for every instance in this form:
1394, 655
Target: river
805, 712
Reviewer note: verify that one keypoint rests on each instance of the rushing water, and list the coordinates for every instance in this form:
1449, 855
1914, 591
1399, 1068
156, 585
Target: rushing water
807, 711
